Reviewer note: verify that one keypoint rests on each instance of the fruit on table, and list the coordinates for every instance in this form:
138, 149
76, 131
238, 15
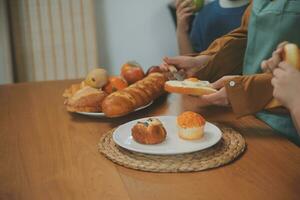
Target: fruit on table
153, 69
115, 83
97, 78
132, 72
198, 4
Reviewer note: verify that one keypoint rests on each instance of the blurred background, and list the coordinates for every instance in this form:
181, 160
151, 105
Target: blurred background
63, 39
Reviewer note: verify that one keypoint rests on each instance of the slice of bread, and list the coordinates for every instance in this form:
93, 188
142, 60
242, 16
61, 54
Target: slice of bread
191, 86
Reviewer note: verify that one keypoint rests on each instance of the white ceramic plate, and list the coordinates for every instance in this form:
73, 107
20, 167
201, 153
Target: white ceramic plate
101, 114
173, 144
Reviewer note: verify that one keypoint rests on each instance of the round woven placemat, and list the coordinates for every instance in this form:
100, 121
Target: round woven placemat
226, 150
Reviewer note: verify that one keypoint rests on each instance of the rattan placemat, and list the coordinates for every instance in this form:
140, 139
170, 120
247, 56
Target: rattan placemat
227, 150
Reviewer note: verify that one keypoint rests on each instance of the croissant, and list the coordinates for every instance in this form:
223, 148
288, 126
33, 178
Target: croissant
87, 99
73, 89
136, 95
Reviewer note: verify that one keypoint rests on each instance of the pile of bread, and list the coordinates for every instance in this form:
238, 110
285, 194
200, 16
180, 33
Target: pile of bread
115, 95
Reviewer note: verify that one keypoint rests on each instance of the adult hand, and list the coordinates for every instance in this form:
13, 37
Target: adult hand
286, 83
184, 12
272, 63
219, 98
187, 63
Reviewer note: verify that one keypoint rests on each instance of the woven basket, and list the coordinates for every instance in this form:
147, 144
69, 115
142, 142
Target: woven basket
225, 151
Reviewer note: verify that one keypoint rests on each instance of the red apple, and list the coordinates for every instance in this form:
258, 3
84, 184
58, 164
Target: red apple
132, 72
153, 69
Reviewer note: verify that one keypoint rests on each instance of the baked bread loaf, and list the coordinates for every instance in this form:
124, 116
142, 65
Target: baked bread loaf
191, 86
87, 99
136, 95
190, 125
151, 131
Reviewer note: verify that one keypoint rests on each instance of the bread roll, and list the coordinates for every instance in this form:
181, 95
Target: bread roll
136, 95
87, 99
151, 131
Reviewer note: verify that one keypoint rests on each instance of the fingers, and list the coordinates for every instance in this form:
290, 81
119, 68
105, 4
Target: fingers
264, 66
285, 66
277, 73
177, 3
186, 10
222, 81
183, 4
163, 66
273, 81
272, 63
218, 98
219, 83
281, 45
172, 60
212, 98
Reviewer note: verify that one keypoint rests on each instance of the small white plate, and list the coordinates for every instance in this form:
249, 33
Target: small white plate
173, 143
101, 114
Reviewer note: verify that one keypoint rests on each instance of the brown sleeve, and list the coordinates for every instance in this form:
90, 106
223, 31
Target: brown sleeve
227, 53
249, 94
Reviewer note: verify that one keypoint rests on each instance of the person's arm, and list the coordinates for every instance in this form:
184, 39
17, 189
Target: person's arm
224, 56
226, 53
296, 118
184, 12
184, 43
249, 94
246, 94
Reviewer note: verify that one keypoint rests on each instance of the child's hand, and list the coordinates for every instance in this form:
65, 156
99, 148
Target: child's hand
272, 63
286, 82
220, 97
187, 63
184, 11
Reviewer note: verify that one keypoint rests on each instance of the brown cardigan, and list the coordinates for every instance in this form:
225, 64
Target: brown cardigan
250, 93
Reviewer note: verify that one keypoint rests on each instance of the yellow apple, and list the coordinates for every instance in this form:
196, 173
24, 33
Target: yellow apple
97, 78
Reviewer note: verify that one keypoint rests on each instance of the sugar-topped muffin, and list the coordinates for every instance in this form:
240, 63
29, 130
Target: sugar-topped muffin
190, 125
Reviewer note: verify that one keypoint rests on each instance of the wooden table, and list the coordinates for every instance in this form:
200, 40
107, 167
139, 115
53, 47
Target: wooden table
47, 153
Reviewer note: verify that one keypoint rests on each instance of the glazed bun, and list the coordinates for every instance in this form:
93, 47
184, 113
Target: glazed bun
151, 131
191, 86
190, 125
291, 55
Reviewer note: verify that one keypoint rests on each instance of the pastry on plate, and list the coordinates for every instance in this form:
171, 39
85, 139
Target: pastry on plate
73, 89
190, 125
191, 86
151, 131
87, 99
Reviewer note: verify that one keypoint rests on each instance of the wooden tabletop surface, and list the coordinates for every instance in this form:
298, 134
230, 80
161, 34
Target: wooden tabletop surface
47, 153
